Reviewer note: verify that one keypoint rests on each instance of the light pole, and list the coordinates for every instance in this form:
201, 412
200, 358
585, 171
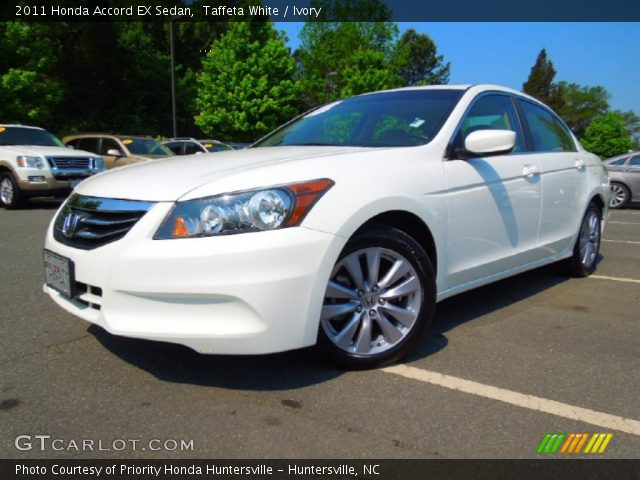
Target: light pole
173, 79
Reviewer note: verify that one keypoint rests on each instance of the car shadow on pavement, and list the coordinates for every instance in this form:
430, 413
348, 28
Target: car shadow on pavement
471, 305
42, 204
178, 364
301, 368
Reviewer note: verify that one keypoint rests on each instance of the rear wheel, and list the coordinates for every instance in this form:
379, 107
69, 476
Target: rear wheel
620, 195
587, 247
10, 194
379, 300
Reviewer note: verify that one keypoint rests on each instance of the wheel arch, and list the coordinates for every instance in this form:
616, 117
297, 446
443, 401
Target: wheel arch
412, 225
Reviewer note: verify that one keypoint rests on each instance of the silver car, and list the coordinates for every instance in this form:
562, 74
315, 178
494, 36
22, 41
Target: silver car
624, 175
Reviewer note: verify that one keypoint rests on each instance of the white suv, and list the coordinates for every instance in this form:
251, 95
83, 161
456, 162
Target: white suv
343, 228
34, 163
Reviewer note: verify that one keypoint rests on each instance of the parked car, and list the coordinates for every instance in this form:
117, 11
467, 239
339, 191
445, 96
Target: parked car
191, 146
35, 163
343, 228
624, 175
119, 150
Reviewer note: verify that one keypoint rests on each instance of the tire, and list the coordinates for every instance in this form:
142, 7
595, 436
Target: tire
584, 259
370, 318
620, 195
10, 194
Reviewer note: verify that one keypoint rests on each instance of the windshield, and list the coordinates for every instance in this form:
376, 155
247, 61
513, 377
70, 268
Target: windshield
215, 147
28, 136
388, 119
146, 146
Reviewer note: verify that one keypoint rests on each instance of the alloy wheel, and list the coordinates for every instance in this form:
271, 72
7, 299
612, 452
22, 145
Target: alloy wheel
618, 196
589, 238
372, 301
6, 191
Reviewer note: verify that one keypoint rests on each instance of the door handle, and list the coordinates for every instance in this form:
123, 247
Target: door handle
529, 171
580, 164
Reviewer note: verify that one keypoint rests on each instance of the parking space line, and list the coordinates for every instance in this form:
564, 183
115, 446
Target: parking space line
615, 279
600, 419
624, 223
622, 241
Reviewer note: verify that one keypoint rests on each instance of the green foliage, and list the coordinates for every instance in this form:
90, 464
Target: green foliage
607, 136
632, 124
540, 82
27, 59
417, 62
581, 104
341, 59
246, 86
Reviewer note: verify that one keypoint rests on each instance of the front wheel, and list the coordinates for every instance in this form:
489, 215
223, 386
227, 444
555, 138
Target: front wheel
379, 300
587, 247
10, 194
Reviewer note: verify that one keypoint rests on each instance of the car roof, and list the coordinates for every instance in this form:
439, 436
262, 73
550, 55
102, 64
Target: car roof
109, 135
477, 88
618, 157
15, 125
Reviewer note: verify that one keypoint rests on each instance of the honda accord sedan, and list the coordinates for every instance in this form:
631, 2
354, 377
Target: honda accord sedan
342, 228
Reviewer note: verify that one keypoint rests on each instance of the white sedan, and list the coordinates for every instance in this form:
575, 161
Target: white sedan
343, 228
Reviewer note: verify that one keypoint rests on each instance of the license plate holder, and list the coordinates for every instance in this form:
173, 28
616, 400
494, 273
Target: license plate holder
59, 273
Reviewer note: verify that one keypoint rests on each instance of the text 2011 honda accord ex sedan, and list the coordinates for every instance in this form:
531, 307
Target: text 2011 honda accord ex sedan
342, 228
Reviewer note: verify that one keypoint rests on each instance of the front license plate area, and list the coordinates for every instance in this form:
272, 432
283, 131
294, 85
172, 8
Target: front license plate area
59, 273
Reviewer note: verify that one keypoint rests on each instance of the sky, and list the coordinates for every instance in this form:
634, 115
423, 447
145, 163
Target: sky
605, 54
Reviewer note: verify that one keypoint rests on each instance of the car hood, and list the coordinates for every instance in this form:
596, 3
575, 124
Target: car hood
35, 150
169, 179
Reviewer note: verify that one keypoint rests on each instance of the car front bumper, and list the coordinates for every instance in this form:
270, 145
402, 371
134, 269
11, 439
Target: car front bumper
250, 293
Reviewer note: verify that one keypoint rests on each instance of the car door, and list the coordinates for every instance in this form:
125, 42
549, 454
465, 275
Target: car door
632, 177
493, 201
563, 174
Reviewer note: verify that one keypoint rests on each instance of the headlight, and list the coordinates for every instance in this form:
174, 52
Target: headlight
98, 163
30, 162
241, 212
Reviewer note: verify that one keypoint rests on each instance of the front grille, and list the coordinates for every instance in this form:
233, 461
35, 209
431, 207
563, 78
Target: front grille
70, 163
91, 222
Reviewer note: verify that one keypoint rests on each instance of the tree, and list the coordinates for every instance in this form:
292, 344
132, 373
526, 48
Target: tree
607, 136
341, 60
540, 82
246, 86
632, 124
581, 104
417, 62
29, 90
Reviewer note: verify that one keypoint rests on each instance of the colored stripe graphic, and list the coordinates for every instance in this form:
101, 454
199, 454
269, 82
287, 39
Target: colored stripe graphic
550, 443
573, 443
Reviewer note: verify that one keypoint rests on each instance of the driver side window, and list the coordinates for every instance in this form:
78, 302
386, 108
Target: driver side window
490, 112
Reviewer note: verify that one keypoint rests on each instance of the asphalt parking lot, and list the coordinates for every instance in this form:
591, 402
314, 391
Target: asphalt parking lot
518, 359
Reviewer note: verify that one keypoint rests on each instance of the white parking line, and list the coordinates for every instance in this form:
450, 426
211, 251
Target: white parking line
615, 279
600, 419
625, 223
622, 241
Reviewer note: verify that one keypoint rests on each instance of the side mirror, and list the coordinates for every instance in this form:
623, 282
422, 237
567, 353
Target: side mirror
490, 142
198, 152
114, 152
70, 146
